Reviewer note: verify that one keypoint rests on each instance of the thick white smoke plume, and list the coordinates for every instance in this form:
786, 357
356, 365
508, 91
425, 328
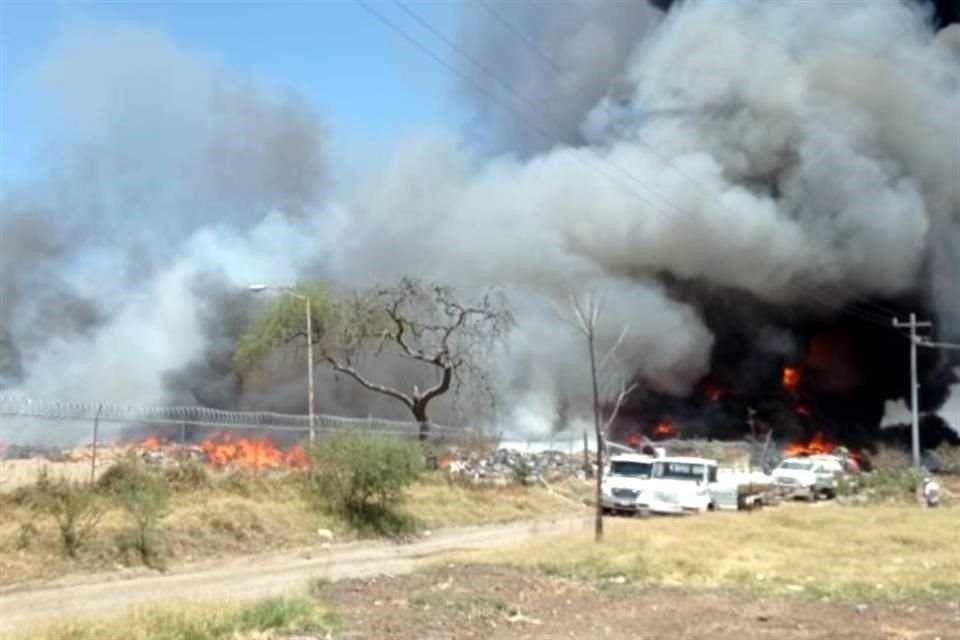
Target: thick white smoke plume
804, 152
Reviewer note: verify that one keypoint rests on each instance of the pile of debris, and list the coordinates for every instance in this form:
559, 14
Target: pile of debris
162, 455
506, 466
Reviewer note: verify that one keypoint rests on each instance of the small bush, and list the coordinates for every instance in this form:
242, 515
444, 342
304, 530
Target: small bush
522, 470
146, 498
948, 456
122, 472
286, 615
189, 476
75, 509
362, 479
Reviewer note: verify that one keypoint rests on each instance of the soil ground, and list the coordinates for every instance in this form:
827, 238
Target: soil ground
461, 602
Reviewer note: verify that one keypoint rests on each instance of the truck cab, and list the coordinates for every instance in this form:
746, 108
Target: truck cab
679, 485
623, 482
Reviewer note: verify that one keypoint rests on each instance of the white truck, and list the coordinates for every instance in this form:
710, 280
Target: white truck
810, 477
623, 482
687, 485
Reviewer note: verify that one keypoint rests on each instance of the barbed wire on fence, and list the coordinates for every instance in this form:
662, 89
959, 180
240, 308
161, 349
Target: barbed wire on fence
17, 405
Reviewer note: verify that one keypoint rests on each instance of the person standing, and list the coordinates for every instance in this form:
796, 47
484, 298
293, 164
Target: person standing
931, 492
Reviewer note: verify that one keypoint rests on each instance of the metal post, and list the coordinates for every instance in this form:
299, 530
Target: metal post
310, 405
914, 384
183, 442
93, 457
914, 388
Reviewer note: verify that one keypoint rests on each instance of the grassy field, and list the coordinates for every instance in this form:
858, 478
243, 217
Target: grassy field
260, 620
242, 514
823, 551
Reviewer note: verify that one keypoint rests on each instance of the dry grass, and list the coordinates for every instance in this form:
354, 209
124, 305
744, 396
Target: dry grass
828, 551
242, 514
261, 619
435, 502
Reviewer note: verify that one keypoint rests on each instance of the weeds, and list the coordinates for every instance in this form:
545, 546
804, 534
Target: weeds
276, 616
949, 458
145, 497
74, 508
189, 476
361, 479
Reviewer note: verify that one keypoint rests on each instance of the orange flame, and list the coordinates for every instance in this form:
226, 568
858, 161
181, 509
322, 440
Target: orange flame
633, 440
802, 410
150, 442
714, 393
223, 450
664, 429
816, 444
791, 378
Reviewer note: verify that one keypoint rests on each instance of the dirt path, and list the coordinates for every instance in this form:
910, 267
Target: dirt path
483, 602
252, 576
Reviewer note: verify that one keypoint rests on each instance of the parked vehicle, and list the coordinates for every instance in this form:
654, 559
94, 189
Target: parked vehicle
810, 477
679, 485
624, 481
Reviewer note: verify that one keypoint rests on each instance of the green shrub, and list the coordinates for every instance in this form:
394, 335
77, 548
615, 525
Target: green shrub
522, 470
362, 478
121, 472
146, 498
75, 509
189, 476
948, 456
892, 477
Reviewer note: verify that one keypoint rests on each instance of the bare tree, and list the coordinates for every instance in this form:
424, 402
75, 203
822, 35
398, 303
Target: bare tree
587, 310
422, 322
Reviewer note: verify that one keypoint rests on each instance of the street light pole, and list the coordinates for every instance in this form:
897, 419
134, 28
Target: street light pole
310, 399
256, 288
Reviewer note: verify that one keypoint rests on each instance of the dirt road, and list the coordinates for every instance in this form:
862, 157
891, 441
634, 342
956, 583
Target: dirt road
253, 576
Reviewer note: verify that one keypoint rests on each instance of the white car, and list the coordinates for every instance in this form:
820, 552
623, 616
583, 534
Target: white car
623, 482
809, 477
679, 485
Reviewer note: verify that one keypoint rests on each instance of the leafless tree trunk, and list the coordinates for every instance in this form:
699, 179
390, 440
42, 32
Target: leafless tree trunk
587, 313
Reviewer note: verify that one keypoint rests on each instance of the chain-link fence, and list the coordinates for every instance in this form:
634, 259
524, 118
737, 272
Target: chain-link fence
29, 421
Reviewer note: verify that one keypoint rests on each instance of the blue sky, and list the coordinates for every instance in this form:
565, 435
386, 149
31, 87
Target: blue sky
367, 81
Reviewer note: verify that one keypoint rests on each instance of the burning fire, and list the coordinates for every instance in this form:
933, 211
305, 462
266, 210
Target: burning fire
150, 442
664, 429
714, 393
818, 444
223, 449
791, 378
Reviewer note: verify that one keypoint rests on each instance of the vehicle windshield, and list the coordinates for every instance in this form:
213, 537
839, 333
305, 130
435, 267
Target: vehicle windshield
679, 471
629, 468
796, 465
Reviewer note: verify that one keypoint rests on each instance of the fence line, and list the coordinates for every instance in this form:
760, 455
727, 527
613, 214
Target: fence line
19, 406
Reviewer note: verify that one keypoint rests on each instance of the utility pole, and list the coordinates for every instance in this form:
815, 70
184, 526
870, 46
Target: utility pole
914, 385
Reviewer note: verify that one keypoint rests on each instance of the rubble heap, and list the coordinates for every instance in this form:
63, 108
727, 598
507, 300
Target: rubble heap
504, 466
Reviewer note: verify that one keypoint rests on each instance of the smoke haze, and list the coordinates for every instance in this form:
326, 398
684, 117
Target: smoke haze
801, 154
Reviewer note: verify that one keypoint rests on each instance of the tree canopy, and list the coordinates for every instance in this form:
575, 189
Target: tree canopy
425, 323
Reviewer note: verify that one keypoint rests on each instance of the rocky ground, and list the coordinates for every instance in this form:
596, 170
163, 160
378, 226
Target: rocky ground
492, 602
